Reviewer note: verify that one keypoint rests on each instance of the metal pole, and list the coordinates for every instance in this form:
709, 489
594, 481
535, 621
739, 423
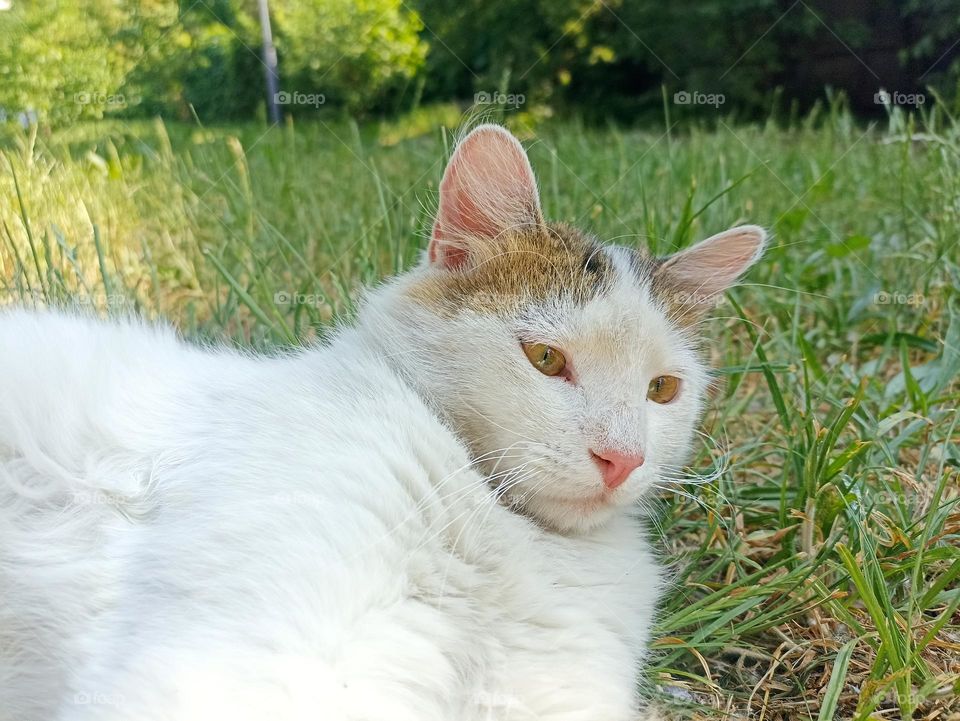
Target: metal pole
270, 62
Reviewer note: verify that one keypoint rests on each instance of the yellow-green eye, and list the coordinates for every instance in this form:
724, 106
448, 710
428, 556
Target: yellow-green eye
663, 389
545, 359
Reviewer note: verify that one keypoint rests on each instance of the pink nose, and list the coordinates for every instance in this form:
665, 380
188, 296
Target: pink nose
616, 466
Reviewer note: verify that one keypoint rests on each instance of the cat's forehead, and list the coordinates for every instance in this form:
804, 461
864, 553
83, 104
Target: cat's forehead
625, 324
555, 262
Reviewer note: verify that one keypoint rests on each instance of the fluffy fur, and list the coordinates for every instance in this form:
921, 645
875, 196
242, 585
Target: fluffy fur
405, 524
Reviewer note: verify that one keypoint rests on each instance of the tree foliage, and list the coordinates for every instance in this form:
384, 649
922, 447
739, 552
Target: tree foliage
351, 52
51, 63
64, 61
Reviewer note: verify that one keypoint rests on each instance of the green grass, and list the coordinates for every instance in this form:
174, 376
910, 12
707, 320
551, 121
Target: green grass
819, 576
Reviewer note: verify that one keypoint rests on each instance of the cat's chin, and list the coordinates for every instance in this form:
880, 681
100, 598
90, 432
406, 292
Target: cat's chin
571, 515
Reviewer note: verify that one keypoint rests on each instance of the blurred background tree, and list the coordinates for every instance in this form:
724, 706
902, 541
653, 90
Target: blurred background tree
62, 61
65, 60
353, 52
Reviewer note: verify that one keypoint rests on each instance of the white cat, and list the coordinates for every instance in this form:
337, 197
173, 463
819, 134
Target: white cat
431, 517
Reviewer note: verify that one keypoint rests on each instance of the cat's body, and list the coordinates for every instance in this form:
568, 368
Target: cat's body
226, 565
432, 517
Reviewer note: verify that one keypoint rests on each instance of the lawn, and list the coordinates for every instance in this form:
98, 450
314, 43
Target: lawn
815, 566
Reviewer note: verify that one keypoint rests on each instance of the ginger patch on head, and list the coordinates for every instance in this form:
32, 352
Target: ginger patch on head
529, 265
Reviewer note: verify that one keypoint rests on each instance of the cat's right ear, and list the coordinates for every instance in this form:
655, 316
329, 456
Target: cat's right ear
695, 277
487, 189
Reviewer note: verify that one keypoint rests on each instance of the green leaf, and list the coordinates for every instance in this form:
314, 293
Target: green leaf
838, 677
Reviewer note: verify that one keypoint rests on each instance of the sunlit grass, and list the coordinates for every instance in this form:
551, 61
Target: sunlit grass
819, 574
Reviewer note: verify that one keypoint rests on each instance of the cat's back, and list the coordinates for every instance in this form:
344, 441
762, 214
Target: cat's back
73, 386
64, 378
128, 408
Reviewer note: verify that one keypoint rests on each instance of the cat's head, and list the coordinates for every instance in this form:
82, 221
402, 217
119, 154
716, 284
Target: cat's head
569, 367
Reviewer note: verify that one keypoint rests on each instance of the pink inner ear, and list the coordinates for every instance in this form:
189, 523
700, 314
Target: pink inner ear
487, 188
468, 181
711, 266
453, 256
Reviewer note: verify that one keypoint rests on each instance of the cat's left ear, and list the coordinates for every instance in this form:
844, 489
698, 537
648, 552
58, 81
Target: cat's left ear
695, 277
488, 189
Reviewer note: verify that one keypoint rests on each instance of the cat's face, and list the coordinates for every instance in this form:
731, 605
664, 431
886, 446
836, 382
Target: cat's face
567, 366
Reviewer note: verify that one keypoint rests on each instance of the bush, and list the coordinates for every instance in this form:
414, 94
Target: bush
206, 62
354, 53
56, 60
65, 61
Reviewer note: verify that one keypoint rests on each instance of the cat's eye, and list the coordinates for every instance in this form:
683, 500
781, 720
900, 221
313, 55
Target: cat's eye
663, 389
545, 359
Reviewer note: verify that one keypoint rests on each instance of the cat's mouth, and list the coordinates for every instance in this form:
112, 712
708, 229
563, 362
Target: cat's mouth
581, 504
